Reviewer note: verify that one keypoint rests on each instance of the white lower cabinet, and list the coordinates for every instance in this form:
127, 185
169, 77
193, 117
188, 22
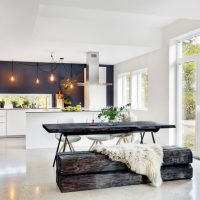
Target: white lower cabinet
2, 129
2, 122
16, 122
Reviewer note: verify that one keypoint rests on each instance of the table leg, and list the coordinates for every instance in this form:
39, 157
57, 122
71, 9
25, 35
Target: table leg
153, 137
67, 141
57, 149
142, 137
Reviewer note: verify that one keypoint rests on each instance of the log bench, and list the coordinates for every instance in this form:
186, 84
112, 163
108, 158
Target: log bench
88, 170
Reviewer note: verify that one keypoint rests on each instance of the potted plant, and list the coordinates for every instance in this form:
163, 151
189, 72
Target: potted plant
26, 103
14, 103
2, 103
113, 114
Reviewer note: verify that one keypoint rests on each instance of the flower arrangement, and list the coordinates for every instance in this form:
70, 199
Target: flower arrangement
113, 113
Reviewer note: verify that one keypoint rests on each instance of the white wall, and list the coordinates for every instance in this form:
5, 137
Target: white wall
157, 63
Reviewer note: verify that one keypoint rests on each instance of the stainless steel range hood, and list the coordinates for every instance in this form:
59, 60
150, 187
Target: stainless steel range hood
95, 83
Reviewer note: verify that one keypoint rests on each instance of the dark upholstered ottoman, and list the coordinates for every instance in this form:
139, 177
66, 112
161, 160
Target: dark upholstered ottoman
89, 170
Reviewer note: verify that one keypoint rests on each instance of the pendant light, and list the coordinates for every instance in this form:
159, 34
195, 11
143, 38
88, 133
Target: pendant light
71, 84
12, 78
68, 83
52, 78
37, 79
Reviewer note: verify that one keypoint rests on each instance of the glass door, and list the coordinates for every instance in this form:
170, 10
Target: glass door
188, 93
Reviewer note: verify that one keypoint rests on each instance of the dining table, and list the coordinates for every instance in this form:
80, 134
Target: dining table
67, 129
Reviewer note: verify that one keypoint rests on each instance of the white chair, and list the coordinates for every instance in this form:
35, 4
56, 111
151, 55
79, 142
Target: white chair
98, 139
128, 137
69, 139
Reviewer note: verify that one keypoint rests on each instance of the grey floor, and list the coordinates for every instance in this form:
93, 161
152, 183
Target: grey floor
28, 174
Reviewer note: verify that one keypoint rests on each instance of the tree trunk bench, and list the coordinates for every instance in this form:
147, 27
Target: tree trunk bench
89, 170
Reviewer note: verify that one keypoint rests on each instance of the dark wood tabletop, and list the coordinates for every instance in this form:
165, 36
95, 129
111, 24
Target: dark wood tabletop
105, 128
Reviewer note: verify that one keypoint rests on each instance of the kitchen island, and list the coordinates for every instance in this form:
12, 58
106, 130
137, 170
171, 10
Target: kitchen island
13, 121
36, 136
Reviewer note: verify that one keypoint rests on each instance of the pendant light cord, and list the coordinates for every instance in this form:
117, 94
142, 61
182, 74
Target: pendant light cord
12, 68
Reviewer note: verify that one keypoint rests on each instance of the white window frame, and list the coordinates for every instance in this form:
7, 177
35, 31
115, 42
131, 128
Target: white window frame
122, 100
136, 89
180, 61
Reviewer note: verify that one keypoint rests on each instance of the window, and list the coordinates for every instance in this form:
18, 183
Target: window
139, 89
188, 97
124, 89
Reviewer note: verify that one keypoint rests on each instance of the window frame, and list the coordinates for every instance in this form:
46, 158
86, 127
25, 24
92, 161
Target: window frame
122, 100
138, 104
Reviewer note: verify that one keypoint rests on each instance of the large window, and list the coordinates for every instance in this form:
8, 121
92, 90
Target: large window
133, 88
139, 89
124, 89
188, 97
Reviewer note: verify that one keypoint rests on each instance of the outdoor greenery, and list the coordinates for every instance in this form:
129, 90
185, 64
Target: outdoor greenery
189, 90
189, 86
189, 48
145, 89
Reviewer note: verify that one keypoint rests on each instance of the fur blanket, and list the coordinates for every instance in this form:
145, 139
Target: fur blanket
145, 159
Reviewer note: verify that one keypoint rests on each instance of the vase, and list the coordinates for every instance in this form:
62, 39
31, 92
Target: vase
111, 122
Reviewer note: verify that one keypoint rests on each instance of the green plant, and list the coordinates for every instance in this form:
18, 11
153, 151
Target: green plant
113, 113
14, 103
26, 102
2, 103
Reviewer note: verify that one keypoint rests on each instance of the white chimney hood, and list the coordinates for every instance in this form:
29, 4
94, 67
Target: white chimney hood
95, 83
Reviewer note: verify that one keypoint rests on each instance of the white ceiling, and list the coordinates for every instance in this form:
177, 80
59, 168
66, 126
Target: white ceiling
118, 29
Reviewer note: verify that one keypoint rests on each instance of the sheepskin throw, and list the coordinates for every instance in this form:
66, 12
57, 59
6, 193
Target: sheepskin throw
145, 159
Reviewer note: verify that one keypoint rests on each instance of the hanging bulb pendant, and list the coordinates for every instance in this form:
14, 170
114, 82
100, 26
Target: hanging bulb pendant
12, 78
52, 78
37, 81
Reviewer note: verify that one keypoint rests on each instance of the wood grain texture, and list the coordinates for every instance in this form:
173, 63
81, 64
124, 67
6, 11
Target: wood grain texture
99, 180
105, 128
89, 162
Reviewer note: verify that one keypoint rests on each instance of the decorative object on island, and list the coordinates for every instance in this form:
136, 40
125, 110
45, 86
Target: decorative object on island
78, 106
93, 166
59, 100
114, 114
2, 103
67, 101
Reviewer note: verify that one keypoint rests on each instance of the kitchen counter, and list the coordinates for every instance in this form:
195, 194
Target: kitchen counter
28, 109
37, 137
61, 111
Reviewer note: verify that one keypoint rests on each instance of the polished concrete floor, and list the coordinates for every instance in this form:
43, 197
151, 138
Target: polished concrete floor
28, 174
